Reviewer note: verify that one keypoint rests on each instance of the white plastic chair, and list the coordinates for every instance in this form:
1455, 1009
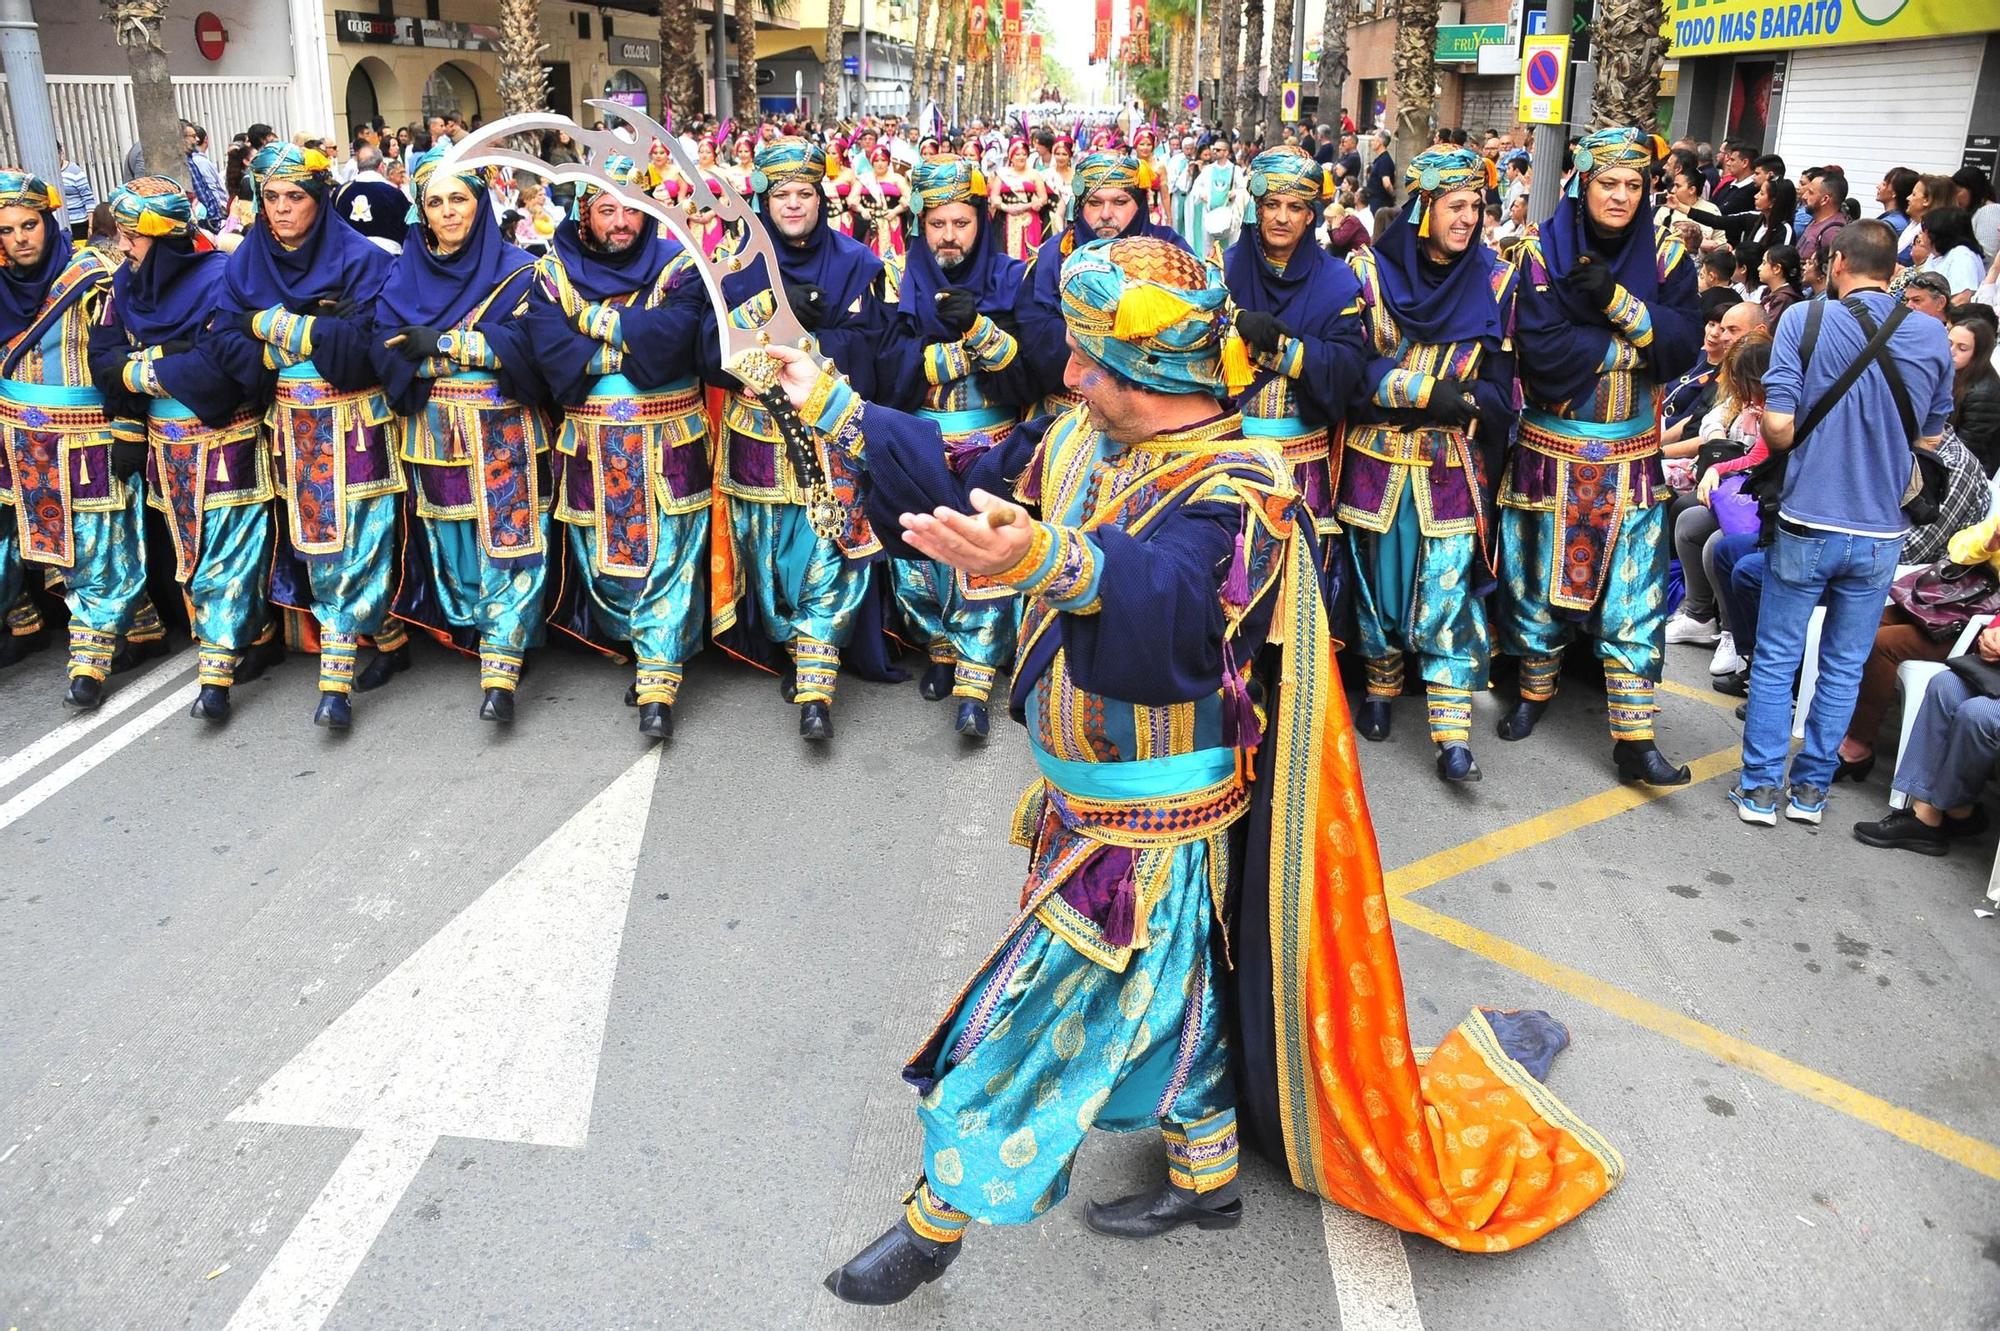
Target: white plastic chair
1912, 678
1809, 663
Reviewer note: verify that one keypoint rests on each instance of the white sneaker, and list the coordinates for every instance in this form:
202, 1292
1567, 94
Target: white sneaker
1683, 629
1725, 661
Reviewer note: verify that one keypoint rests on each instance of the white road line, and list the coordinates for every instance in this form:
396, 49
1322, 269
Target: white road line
303, 1282
94, 756
1371, 1273
492, 1029
123, 699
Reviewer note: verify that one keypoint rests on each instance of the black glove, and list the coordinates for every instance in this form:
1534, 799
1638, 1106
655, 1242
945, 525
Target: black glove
127, 458
245, 322
416, 342
1592, 282
1261, 331
344, 308
1452, 403
957, 308
174, 346
808, 302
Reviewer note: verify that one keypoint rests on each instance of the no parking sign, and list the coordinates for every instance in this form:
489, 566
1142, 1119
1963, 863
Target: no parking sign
1544, 80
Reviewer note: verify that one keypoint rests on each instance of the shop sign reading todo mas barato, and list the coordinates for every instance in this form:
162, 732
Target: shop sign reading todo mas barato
1724, 27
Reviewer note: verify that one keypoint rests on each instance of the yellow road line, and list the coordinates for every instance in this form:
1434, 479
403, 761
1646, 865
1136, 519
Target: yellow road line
1946, 1143
1544, 827
1709, 696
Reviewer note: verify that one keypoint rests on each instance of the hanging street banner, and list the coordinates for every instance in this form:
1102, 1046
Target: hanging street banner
1142, 47
975, 32
1010, 32
1544, 80
1724, 27
1035, 52
1101, 50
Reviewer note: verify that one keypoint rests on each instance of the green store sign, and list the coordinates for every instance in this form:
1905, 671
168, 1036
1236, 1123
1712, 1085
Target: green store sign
1460, 43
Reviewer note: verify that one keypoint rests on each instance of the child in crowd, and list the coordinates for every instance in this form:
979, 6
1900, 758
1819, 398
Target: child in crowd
536, 230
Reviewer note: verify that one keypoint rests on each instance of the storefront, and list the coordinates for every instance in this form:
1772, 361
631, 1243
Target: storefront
1865, 84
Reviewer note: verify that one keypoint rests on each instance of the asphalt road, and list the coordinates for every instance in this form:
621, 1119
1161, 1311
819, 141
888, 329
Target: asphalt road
439, 1026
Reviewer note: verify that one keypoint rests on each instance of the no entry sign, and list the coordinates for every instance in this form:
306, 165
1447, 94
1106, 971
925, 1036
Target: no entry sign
210, 37
1544, 80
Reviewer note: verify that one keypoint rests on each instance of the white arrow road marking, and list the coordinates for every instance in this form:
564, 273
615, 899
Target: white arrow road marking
1371, 1273
492, 1029
97, 754
123, 699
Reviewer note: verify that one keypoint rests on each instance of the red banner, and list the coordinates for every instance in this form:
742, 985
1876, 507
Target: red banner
1010, 31
1102, 49
1035, 53
975, 31
1141, 47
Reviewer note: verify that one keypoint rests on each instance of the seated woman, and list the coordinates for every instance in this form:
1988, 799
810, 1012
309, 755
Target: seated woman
1952, 752
1975, 385
1739, 406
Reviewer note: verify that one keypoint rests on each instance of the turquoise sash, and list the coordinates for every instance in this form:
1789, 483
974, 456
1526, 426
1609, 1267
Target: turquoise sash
168, 409
968, 421
1141, 778
618, 386
1275, 427
1609, 431
49, 395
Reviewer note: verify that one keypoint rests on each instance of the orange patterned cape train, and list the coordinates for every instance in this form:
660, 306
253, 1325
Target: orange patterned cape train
1465, 1146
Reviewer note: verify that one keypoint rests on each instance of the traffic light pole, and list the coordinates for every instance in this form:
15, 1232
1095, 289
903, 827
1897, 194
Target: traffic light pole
1551, 141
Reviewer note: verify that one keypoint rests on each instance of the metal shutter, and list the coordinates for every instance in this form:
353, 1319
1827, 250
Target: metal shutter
1870, 108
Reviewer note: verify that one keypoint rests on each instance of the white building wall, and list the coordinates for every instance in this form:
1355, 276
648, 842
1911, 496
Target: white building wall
77, 40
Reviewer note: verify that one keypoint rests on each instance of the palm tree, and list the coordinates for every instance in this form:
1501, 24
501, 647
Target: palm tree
1253, 63
680, 66
743, 96
1416, 77
136, 24
1333, 57
1628, 62
1284, 17
1229, 28
524, 83
923, 52
832, 86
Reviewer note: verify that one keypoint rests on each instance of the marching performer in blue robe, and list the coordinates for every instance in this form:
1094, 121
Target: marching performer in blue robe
1436, 400
159, 357
1113, 190
795, 591
1608, 313
634, 453
70, 471
303, 293
1297, 350
456, 349
955, 294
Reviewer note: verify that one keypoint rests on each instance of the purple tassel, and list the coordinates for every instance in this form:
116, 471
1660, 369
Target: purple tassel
1236, 587
1119, 916
1240, 729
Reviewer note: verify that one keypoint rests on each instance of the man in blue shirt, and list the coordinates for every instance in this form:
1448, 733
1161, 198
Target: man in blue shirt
1841, 522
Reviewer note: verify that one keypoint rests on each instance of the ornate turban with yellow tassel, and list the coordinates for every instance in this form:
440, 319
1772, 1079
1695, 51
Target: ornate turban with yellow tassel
1147, 311
1440, 171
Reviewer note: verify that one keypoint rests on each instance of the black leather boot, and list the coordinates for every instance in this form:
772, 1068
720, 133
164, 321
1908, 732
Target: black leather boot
211, 704
631, 695
335, 711
1456, 763
85, 694
1522, 717
656, 720
1371, 719
14, 647
891, 1268
788, 683
261, 657
937, 681
1640, 760
815, 721
498, 705
135, 654
972, 721
385, 665
1145, 1215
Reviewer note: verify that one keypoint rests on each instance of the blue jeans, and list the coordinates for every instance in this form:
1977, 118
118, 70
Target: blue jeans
1953, 747
1739, 585
1851, 574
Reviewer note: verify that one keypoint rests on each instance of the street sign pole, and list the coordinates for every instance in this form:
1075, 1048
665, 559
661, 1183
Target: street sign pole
1551, 141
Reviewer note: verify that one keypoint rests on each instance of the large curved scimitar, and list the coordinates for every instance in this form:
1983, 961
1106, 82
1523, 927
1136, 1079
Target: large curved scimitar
743, 349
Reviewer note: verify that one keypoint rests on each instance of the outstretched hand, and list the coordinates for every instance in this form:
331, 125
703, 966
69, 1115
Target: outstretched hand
972, 541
